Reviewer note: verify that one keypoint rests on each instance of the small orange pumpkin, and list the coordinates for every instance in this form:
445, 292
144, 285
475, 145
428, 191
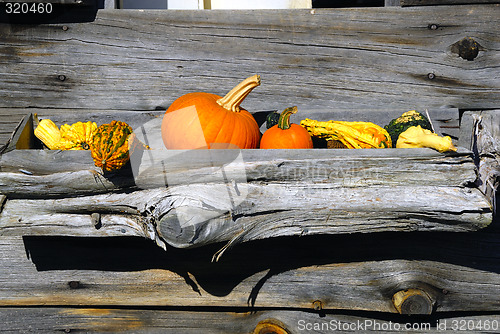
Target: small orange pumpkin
204, 120
286, 135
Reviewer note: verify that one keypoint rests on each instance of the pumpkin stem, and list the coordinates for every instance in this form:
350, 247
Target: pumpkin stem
233, 99
284, 121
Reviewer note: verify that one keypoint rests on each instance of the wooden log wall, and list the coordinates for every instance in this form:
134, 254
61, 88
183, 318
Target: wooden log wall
106, 268
357, 273
235, 196
91, 261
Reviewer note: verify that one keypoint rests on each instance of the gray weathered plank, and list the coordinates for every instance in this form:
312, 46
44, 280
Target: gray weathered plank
43, 173
349, 273
353, 57
196, 215
98, 320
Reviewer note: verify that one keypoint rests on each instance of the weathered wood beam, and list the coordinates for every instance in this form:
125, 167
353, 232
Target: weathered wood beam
201, 197
196, 215
194, 321
326, 58
43, 173
353, 272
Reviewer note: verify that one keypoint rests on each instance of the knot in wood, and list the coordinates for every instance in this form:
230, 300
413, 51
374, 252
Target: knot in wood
96, 220
74, 284
270, 326
412, 301
317, 305
467, 48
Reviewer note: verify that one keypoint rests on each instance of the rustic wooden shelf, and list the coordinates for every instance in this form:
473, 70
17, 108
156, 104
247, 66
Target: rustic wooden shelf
300, 236
239, 195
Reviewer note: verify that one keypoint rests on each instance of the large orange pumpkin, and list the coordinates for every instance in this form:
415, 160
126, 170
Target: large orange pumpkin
204, 120
286, 135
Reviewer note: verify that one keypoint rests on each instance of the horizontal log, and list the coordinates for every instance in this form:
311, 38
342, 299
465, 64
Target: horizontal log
205, 215
352, 57
42, 173
212, 195
342, 272
77, 183
338, 168
193, 321
188, 216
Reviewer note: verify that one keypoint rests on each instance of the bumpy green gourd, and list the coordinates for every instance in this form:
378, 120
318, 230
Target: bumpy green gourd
112, 145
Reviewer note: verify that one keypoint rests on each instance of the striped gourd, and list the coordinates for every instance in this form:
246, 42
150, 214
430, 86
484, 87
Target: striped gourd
350, 134
110, 145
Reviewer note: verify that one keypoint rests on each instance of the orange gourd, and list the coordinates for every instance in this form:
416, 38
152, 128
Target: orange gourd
286, 135
204, 120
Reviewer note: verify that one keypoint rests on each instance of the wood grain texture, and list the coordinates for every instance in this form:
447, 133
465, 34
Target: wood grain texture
193, 198
194, 321
352, 272
192, 216
353, 57
481, 133
54, 253
46, 173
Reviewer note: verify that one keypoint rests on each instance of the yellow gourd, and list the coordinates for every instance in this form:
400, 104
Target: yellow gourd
350, 134
78, 135
70, 137
48, 133
416, 136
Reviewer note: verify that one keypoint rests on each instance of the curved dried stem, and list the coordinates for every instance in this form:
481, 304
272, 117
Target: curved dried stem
233, 99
